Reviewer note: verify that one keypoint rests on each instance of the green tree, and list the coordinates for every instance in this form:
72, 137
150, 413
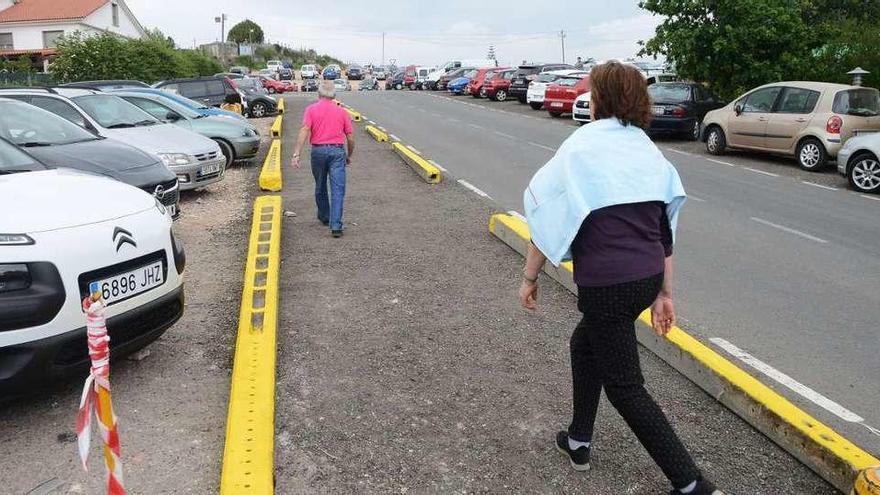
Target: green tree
246, 31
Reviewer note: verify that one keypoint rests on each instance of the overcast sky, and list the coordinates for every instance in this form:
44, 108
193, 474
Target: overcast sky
418, 31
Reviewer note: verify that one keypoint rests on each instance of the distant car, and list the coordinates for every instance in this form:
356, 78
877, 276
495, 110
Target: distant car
443, 82
422, 74
234, 76
259, 103
460, 85
369, 83
274, 86
196, 160
285, 74
475, 87
380, 73
107, 84
858, 162
560, 95
537, 88
355, 72
331, 72
807, 120
679, 108
274, 66
308, 71
212, 91
580, 112
410, 74
237, 140
239, 69
268, 73
57, 142
341, 85
310, 85
396, 81
79, 233
525, 74
497, 88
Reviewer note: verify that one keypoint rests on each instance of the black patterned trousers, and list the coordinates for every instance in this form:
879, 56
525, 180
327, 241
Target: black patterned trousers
604, 354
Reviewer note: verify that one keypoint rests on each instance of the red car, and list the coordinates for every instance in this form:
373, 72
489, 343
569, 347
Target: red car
409, 76
274, 86
559, 97
476, 84
497, 87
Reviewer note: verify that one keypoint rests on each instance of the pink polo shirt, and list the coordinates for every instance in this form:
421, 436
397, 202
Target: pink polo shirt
328, 122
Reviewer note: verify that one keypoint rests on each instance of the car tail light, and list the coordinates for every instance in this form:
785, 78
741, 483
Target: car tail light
679, 112
834, 124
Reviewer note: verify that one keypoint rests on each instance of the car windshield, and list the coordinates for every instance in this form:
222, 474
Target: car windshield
568, 81
863, 102
14, 160
30, 126
669, 93
112, 112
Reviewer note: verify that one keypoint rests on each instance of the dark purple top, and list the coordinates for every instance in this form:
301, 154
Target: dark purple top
621, 243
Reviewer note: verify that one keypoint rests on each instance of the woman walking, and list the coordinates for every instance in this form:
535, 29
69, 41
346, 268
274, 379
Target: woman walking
609, 201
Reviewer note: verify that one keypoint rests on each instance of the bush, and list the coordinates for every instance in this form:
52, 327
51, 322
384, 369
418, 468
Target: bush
84, 57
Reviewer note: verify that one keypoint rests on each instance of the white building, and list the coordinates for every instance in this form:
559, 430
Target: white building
31, 27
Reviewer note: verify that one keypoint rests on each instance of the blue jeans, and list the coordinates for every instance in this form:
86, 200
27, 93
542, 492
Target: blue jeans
329, 162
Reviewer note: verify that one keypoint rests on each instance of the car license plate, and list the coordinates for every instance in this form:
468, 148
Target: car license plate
210, 169
129, 284
172, 209
556, 104
659, 110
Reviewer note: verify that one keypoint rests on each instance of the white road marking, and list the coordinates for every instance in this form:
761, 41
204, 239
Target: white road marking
801, 389
789, 230
538, 145
679, 152
473, 188
453, 120
392, 136
720, 162
371, 122
870, 197
820, 186
504, 135
414, 150
695, 198
475, 126
750, 169
517, 214
432, 162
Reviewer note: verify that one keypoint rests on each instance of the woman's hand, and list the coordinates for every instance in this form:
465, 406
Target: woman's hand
662, 315
528, 295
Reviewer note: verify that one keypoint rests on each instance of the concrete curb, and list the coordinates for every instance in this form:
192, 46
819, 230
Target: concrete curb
377, 134
276, 126
429, 173
823, 450
270, 175
355, 116
281, 105
248, 453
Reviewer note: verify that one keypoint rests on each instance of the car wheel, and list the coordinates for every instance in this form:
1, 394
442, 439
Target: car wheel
271, 90
227, 150
398, 86
483, 93
694, 135
501, 95
811, 155
864, 173
536, 105
412, 86
258, 110
716, 141
556, 115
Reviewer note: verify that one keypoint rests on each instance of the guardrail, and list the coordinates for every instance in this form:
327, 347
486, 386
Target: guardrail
276, 126
248, 454
270, 175
428, 172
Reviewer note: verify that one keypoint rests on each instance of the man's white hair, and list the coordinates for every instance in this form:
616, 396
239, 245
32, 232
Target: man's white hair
327, 90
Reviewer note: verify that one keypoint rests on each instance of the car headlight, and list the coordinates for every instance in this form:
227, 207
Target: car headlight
172, 159
14, 277
15, 240
247, 132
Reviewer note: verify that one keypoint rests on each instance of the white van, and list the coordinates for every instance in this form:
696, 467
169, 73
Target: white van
447, 67
274, 65
308, 71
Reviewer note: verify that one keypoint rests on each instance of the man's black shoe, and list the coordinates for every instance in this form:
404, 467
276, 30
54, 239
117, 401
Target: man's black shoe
336, 233
580, 457
703, 488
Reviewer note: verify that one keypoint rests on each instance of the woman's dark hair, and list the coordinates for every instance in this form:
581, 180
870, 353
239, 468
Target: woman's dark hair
620, 90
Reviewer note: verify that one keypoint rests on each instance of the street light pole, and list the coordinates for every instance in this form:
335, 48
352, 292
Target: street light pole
383, 48
562, 38
221, 19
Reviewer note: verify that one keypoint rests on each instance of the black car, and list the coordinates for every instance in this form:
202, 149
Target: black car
395, 81
355, 72
56, 142
525, 74
107, 84
285, 74
259, 103
212, 91
679, 108
310, 85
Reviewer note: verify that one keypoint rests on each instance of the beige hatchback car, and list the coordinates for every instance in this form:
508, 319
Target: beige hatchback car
807, 120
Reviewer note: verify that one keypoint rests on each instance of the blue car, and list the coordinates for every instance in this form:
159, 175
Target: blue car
191, 104
330, 73
457, 86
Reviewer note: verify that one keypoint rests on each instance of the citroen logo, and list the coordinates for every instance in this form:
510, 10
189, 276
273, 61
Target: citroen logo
122, 236
159, 192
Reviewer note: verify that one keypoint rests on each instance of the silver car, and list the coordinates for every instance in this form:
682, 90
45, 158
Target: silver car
858, 162
239, 140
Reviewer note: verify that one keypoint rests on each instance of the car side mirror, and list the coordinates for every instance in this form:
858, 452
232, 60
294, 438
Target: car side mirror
738, 109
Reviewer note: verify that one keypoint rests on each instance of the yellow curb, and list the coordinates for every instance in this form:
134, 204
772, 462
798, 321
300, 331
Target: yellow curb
825, 451
276, 126
429, 173
868, 482
355, 116
281, 105
248, 454
270, 175
378, 135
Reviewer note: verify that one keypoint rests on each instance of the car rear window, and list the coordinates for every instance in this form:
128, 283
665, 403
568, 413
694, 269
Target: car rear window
547, 78
194, 89
568, 81
863, 102
526, 71
669, 93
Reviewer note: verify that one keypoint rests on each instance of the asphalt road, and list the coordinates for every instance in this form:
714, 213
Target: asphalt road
768, 261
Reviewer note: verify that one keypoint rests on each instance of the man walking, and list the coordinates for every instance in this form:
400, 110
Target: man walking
328, 128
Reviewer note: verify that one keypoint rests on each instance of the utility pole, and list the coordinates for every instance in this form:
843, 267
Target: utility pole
562, 39
222, 21
383, 48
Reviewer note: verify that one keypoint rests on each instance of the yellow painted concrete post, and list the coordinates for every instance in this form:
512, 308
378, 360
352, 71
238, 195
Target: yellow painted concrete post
270, 175
281, 105
868, 482
355, 116
276, 126
377, 133
429, 173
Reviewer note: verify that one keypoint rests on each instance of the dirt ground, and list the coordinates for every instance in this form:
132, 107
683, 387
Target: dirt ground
171, 404
406, 365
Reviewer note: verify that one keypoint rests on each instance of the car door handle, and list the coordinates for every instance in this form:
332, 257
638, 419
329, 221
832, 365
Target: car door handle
762, 119
800, 120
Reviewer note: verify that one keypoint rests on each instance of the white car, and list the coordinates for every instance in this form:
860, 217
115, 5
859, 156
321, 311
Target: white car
79, 233
308, 71
196, 160
274, 65
580, 112
858, 162
535, 93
